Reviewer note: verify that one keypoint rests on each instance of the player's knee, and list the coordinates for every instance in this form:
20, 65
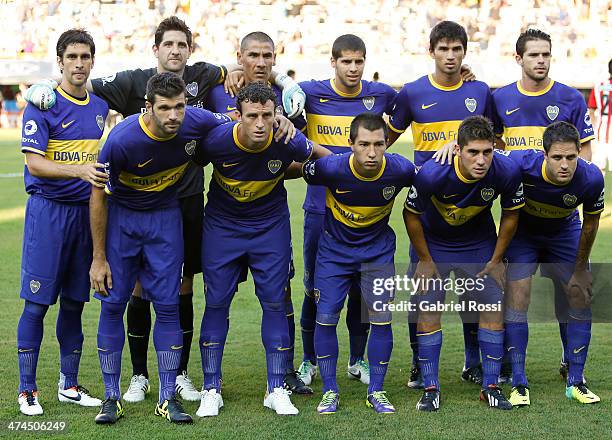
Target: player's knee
518, 294
379, 318
328, 318
111, 312
166, 313
492, 320
34, 311
70, 305
580, 314
269, 306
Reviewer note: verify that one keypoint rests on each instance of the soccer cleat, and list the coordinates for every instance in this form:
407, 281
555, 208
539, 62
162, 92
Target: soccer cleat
505, 373
78, 395
294, 384
279, 401
359, 371
307, 372
184, 388
172, 410
495, 398
329, 403
378, 400
581, 393
429, 401
111, 411
139, 387
28, 403
415, 381
210, 404
519, 396
472, 374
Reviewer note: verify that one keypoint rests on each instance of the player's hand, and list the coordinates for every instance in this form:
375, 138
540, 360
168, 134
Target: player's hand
496, 270
42, 94
294, 98
466, 73
284, 128
90, 173
445, 154
581, 285
233, 82
425, 271
100, 276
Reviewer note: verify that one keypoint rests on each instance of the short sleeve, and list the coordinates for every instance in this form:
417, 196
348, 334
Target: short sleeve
400, 116
582, 120
511, 191
115, 89
113, 161
489, 110
210, 74
34, 131
594, 202
407, 171
300, 147
390, 95
206, 120
419, 193
498, 123
219, 101
316, 172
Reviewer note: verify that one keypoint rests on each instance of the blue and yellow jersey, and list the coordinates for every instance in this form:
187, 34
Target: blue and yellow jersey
68, 133
548, 206
329, 113
521, 116
221, 102
434, 112
144, 168
357, 208
456, 211
249, 184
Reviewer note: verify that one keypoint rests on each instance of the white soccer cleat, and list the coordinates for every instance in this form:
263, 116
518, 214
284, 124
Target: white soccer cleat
359, 371
139, 387
210, 404
307, 372
77, 395
184, 387
28, 403
279, 401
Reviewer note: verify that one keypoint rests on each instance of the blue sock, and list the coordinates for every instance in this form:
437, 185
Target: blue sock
578, 340
564, 343
307, 322
213, 333
358, 330
326, 343
492, 352
29, 338
291, 324
168, 341
430, 345
516, 339
414, 344
111, 338
561, 312
380, 347
470, 339
69, 333
275, 338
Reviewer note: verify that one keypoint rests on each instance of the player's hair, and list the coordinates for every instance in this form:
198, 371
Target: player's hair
475, 128
172, 24
448, 30
560, 131
74, 36
369, 121
262, 37
166, 84
255, 92
347, 42
531, 34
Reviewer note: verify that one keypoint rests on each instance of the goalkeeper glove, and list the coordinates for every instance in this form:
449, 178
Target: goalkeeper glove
294, 97
42, 94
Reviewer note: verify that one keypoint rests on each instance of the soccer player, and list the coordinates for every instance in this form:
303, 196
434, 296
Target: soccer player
449, 222
360, 188
246, 226
137, 233
434, 106
600, 111
557, 181
61, 150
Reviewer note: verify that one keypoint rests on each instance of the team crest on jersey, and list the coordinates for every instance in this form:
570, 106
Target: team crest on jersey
30, 127
275, 165
569, 199
108, 79
519, 191
34, 286
100, 122
192, 88
368, 102
587, 118
190, 147
471, 104
388, 192
487, 194
412, 194
552, 111
317, 295
601, 196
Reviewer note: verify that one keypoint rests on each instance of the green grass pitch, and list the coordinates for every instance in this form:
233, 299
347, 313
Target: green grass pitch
551, 415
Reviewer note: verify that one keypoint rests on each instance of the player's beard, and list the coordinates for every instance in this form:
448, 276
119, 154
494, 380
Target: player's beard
163, 127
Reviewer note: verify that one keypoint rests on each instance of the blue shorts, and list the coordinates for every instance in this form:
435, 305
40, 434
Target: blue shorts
145, 246
57, 251
339, 266
465, 265
231, 247
556, 252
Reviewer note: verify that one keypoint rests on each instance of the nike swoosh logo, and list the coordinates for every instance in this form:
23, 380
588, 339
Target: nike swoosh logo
509, 112
76, 399
324, 357
227, 165
528, 184
102, 349
383, 363
144, 164
494, 358
229, 109
448, 197
421, 359
578, 350
511, 348
209, 344
77, 351
283, 348
176, 347
425, 107
323, 100
358, 376
339, 191
25, 350
68, 124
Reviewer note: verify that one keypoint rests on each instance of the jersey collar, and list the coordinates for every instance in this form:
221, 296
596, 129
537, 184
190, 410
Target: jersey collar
146, 130
366, 179
444, 88
540, 93
458, 172
71, 99
332, 82
248, 150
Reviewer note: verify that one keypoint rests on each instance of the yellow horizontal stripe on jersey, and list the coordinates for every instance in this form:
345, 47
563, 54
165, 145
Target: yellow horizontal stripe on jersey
153, 182
544, 210
328, 130
356, 216
247, 190
523, 138
431, 136
72, 152
454, 215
